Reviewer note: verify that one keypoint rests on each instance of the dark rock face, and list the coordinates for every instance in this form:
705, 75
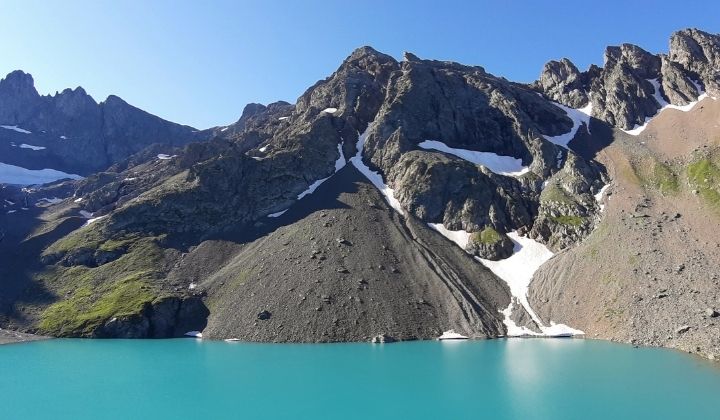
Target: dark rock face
620, 92
562, 82
166, 318
78, 134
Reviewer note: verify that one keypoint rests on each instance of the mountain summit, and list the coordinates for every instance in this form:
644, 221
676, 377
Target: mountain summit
393, 200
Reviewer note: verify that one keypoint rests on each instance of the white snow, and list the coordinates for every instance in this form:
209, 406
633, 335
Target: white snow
130, 179
263, 149
657, 94
53, 200
283, 118
86, 214
460, 237
374, 177
15, 128
30, 146
163, 156
196, 334
94, 219
192, 286
329, 110
231, 340
578, 116
517, 271
63, 137
599, 196
503, 165
451, 335
278, 214
78, 200
11, 211
10, 174
225, 128
339, 164
9, 203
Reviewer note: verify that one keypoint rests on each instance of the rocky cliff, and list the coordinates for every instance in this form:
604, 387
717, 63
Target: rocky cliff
324, 220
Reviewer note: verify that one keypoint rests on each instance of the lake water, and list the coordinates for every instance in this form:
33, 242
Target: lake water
497, 379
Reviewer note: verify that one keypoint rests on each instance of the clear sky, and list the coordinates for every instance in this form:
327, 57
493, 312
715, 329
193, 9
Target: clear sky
200, 62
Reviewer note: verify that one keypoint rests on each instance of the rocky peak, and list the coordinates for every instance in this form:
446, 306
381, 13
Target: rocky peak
562, 82
18, 97
643, 63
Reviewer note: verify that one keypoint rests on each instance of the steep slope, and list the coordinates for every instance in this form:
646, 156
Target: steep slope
271, 231
648, 274
70, 132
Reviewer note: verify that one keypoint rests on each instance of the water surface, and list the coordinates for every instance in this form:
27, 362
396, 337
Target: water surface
497, 379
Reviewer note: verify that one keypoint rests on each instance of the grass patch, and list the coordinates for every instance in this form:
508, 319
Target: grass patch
704, 175
554, 193
121, 287
568, 220
659, 176
664, 179
487, 236
86, 310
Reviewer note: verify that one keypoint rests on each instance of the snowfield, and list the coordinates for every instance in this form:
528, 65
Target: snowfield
15, 128
657, 94
503, 165
11, 174
374, 177
579, 117
30, 146
517, 272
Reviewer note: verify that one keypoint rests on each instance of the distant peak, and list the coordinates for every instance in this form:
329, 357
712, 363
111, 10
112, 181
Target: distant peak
408, 56
19, 80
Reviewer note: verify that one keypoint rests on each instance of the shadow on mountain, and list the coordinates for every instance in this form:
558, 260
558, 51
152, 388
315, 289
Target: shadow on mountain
588, 145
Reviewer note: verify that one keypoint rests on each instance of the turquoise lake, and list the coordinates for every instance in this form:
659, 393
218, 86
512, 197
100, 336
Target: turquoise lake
496, 379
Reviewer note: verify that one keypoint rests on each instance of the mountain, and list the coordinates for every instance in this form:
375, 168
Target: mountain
398, 200
69, 132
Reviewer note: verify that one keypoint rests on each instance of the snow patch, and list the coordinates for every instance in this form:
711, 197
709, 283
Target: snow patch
63, 137
278, 214
599, 196
460, 237
15, 128
11, 174
503, 165
452, 335
78, 200
339, 164
196, 334
263, 149
225, 128
283, 118
30, 146
372, 176
86, 214
94, 219
11, 211
163, 156
578, 116
657, 94
516, 271
329, 110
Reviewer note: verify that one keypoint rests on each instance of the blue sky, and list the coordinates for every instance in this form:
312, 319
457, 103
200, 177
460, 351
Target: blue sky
199, 63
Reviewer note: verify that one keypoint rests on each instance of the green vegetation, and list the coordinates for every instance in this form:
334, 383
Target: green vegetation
704, 175
487, 236
95, 295
554, 193
568, 220
659, 176
85, 311
664, 179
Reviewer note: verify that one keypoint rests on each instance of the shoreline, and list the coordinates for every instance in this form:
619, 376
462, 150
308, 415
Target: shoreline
13, 337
